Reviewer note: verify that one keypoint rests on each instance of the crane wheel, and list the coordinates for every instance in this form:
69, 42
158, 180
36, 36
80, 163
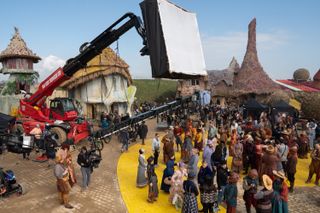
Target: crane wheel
62, 135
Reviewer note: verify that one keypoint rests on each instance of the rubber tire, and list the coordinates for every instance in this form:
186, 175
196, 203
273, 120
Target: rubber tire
23, 188
99, 145
62, 135
107, 139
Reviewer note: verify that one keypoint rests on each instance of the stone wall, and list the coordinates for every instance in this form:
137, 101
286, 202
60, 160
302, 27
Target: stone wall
9, 104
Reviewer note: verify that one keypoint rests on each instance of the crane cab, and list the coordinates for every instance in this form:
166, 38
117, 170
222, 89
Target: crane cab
63, 109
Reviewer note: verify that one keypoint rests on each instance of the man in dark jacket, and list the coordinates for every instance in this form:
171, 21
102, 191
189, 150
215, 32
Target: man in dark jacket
124, 139
143, 131
84, 162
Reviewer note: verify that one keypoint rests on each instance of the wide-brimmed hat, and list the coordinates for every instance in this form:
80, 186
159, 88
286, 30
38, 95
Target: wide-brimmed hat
279, 174
285, 132
270, 149
267, 182
249, 138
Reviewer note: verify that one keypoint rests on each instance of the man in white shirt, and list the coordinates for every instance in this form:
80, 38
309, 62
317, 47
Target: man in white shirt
156, 148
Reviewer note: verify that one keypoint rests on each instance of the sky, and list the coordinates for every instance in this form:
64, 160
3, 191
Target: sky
288, 31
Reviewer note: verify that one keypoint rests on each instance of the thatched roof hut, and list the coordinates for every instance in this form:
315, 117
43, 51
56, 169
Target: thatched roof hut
17, 48
102, 65
221, 81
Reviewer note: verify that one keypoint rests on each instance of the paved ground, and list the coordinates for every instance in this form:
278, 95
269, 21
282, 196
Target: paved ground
102, 196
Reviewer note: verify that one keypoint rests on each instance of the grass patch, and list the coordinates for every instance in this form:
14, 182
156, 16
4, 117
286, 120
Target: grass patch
155, 89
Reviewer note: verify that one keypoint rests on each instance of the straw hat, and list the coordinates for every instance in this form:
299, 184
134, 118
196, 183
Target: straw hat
285, 132
279, 174
270, 149
267, 182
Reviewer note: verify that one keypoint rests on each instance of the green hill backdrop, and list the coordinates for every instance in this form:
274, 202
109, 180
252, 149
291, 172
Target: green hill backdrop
155, 89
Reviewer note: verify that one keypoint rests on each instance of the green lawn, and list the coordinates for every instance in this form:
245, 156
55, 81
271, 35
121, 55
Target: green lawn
154, 89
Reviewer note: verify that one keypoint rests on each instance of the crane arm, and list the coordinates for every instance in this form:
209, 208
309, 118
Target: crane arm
87, 52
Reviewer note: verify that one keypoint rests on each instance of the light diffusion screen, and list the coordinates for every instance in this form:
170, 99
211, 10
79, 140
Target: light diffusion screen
173, 40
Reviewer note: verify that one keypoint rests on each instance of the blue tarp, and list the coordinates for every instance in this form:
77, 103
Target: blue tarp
205, 97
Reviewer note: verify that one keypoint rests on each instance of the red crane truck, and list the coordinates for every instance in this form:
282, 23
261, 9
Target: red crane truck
62, 116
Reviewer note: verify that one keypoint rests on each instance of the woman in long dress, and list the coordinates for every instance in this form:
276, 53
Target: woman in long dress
167, 175
237, 163
142, 168
176, 189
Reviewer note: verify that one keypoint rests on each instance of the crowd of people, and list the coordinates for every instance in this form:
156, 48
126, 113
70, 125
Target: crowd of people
264, 149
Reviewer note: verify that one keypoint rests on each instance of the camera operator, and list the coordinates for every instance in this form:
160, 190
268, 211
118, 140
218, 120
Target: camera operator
86, 168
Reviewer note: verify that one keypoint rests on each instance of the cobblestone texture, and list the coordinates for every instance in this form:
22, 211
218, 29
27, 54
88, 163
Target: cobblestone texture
103, 194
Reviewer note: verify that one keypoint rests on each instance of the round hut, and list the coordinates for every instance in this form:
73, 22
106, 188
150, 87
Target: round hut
17, 61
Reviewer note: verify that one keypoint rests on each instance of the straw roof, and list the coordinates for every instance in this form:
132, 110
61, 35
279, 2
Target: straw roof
215, 77
316, 77
17, 48
252, 78
105, 64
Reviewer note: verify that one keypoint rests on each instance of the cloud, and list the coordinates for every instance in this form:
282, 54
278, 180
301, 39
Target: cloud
48, 65
219, 50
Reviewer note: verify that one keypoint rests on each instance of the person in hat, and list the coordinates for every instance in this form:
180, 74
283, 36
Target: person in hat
280, 188
142, 167
207, 152
314, 165
153, 191
190, 204
291, 167
250, 186
231, 193
269, 161
167, 175
61, 172
264, 196
248, 153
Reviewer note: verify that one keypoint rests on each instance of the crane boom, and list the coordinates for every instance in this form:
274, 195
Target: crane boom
87, 52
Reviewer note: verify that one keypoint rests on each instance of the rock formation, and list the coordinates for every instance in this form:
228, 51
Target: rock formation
251, 78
